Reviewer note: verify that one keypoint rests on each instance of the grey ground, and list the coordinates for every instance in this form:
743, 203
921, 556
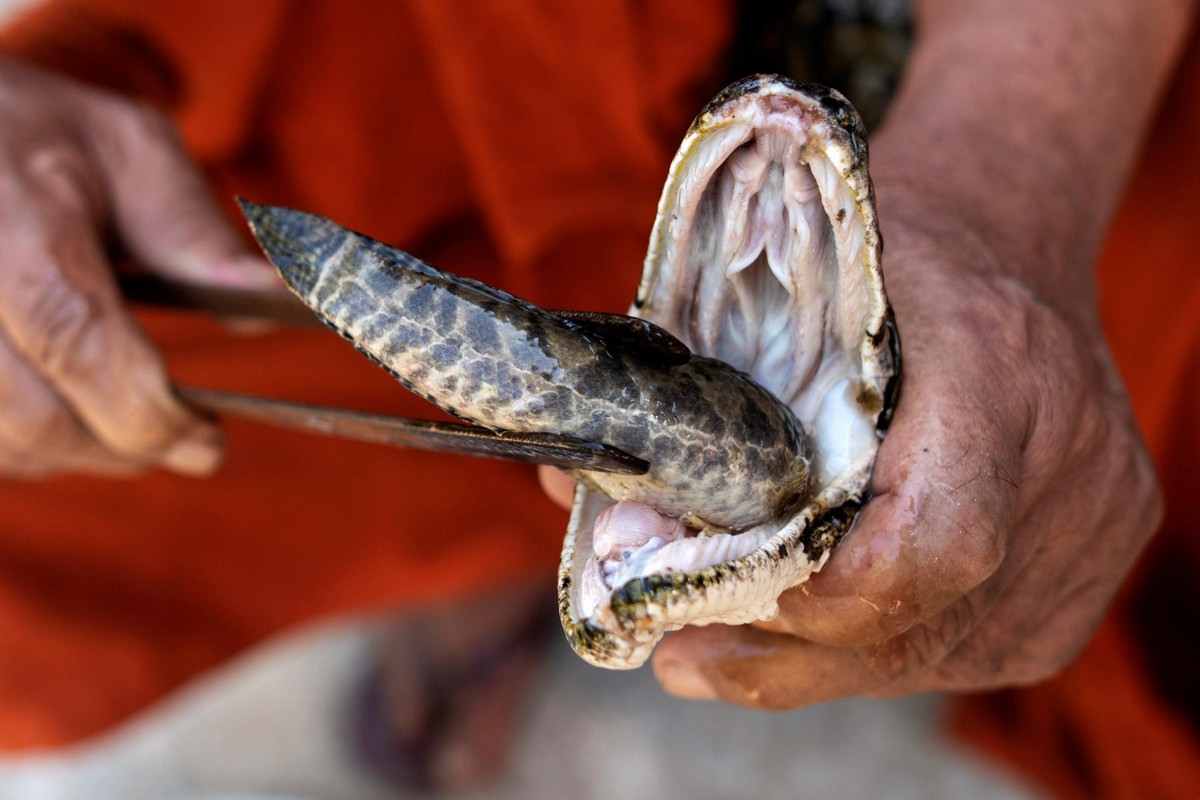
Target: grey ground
270, 725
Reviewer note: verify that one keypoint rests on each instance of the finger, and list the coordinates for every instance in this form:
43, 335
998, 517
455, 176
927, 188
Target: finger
944, 485
39, 435
558, 486
162, 206
760, 669
60, 310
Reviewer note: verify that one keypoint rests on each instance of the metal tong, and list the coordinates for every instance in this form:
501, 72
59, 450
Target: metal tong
565, 452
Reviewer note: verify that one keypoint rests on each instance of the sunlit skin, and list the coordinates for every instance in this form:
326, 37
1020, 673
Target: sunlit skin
1013, 492
81, 389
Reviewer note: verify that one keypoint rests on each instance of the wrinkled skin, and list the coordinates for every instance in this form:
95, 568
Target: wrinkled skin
81, 388
1013, 491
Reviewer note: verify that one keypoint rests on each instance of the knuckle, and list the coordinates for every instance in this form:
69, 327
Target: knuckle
952, 626
754, 691
147, 439
892, 660
770, 701
60, 324
60, 173
915, 652
130, 412
980, 552
922, 648
972, 523
144, 421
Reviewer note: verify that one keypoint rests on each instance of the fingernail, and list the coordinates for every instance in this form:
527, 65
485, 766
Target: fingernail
684, 680
258, 273
193, 457
246, 272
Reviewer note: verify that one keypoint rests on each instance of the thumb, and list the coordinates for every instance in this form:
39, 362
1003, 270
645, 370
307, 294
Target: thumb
162, 207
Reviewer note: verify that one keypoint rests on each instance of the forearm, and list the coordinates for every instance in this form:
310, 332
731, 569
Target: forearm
1017, 124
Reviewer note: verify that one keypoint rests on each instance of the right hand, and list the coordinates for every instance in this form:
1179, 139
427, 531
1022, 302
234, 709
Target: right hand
81, 388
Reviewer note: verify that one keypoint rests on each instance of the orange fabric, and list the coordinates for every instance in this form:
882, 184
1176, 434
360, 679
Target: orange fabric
1122, 721
520, 143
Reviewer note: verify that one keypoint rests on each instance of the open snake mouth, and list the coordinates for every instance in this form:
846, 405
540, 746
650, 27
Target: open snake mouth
762, 262
764, 254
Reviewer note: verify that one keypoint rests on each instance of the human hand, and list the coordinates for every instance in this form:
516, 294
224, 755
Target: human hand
81, 388
1011, 496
